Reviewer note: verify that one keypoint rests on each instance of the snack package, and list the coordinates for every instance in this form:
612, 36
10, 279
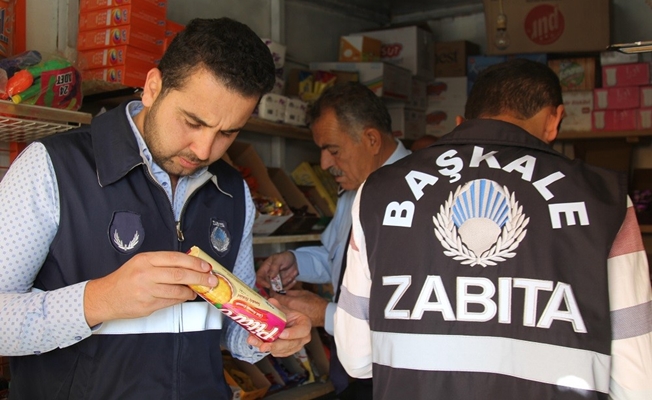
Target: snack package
239, 302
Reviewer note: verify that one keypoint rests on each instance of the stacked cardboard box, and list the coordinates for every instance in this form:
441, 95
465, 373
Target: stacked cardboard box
624, 102
120, 44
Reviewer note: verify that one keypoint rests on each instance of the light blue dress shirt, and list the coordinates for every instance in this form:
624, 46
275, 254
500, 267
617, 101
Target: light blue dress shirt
322, 264
33, 321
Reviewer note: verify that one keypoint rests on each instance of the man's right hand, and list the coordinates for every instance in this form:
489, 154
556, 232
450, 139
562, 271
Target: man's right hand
146, 283
284, 264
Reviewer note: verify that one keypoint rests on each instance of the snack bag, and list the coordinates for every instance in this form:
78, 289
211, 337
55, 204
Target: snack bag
239, 302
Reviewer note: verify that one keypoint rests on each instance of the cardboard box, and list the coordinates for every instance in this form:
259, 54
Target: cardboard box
385, 79
450, 57
636, 74
135, 36
447, 92
440, 119
132, 75
616, 98
154, 7
304, 214
646, 96
554, 26
258, 379
615, 120
357, 48
418, 94
644, 118
409, 47
114, 56
304, 175
244, 155
575, 73
171, 30
407, 123
578, 106
124, 15
616, 57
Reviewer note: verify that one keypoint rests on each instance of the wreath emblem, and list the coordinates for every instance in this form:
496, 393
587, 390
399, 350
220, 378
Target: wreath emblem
480, 224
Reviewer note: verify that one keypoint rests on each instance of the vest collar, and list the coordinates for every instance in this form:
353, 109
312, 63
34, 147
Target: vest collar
114, 145
492, 131
116, 150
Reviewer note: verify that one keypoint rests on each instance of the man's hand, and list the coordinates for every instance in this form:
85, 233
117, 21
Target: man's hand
293, 337
306, 302
146, 283
284, 264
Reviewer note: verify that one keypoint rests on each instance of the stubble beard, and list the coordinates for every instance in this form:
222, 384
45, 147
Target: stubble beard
152, 135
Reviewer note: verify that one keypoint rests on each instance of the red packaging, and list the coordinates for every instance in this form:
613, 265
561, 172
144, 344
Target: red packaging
615, 120
636, 74
238, 301
171, 30
125, 35
117, 16
616, 98
645, 118
153, 7
114, 56
123, 74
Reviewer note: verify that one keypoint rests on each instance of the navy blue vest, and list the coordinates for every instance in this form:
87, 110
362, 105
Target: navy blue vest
112, 209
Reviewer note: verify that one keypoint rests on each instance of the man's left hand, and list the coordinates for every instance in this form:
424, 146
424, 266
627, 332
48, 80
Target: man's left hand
306, 302
293, 337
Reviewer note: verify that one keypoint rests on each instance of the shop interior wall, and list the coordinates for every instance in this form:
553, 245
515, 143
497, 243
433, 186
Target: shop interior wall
311, 33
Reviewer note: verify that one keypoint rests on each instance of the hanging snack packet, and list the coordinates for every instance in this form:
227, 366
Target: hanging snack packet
239, 302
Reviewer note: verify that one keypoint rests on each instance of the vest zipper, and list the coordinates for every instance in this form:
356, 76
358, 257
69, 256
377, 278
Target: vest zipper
180, 237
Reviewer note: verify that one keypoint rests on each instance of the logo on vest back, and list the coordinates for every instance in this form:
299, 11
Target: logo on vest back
220, 237
126, 231
481, 223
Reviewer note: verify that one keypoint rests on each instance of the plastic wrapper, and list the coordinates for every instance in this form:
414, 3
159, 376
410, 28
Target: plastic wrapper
49, 81
239, 302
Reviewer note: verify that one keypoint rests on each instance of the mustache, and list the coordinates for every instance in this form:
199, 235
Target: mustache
335, 171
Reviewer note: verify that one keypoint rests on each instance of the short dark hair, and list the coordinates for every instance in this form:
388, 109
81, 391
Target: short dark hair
356, 106
518, 86
229, 49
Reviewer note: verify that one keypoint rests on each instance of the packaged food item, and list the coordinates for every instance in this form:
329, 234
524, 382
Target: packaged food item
239, 302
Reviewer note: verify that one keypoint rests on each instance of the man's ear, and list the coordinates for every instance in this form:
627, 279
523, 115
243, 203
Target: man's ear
152, 87
458, 120
553, 122
372, 137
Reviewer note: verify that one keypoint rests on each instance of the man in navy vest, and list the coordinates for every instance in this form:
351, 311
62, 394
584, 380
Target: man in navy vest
94, 296
489, 266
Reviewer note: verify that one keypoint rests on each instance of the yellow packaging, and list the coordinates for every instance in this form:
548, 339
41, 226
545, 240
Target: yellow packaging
239, 302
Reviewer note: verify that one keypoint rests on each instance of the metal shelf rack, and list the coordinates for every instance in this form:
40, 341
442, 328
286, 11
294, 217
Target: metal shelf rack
26, 123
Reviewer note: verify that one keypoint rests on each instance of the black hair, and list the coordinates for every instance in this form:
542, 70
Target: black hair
356, 107
518, 86
229, 49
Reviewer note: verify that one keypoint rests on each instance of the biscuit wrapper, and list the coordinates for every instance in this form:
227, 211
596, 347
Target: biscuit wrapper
239, 302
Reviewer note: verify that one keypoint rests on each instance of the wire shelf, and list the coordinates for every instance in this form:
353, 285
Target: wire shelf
25, 123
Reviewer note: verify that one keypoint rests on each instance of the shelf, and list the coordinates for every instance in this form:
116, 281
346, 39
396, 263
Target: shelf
646, 228
277, 129
25, 123
305, 392
568, 135
314, 237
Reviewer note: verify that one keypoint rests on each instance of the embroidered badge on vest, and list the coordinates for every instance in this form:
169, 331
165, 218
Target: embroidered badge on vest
481, 223
126, 231
220, 237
